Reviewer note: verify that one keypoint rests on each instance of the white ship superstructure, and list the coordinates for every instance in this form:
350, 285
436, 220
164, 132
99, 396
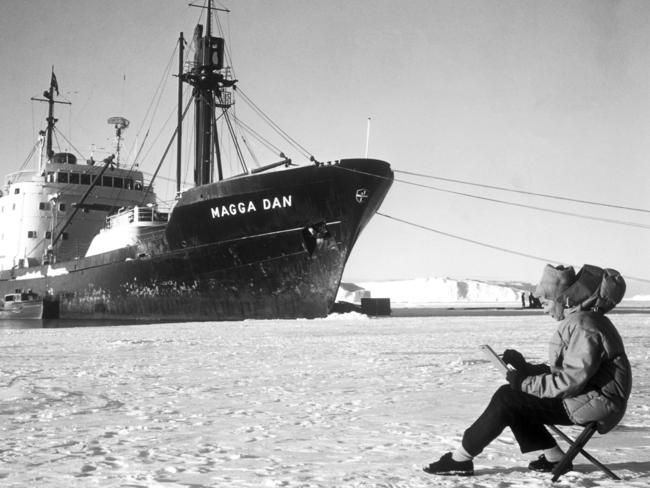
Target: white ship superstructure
35, 206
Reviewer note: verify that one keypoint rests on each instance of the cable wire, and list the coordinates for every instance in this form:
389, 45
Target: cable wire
30, 155
513, 204
59, 133
265, 142
154, 104
299, 147
489, 246
524, 192
532, 207
471, 241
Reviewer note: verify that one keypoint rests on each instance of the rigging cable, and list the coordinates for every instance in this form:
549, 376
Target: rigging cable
532, 207
472, 241
30, 155
250, 150
59, 133
521, 205
276, 127
265, 142
157, 98
55, 133
162, 159
160, 133
225, 33
490, 246
233, 136
524, 192
190, 135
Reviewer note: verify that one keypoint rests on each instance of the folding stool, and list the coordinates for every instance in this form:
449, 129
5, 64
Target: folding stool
577, 447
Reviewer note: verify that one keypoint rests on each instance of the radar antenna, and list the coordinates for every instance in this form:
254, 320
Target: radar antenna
120, 123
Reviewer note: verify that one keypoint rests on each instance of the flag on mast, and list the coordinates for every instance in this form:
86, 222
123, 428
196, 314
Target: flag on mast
54, 83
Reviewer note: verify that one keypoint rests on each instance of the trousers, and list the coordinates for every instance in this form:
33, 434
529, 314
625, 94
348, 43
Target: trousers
525, 414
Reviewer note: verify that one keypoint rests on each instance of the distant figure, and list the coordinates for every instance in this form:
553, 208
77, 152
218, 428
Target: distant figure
531, 300
523, 300
588, 377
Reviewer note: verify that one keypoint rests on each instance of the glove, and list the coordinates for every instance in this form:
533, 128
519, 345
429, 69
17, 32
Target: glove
515, 377
515, 358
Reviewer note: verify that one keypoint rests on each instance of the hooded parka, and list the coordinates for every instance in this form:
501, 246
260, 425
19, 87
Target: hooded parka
588, 370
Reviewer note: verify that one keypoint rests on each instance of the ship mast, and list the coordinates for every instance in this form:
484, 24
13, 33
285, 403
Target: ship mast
121, 124
179, 129
210, 80
51, 120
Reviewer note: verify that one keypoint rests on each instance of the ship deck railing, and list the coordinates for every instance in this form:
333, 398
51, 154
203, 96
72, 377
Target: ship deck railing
136, 215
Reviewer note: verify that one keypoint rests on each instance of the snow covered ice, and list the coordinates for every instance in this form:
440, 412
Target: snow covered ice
346, 401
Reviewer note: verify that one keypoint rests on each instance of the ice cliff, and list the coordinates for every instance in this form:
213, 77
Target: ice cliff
433, 291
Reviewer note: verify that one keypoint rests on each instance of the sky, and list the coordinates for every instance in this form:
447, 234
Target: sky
545, 97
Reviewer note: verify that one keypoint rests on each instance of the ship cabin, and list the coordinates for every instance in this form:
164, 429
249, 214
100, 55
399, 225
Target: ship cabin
36, 207
20, 297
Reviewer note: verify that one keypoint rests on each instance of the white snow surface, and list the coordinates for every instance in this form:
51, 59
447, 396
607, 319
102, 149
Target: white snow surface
346, 401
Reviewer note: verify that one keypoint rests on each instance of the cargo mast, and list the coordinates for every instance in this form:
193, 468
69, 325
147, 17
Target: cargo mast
210, 80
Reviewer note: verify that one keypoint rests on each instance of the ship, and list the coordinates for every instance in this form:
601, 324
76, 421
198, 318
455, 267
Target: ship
25, 306
90, 240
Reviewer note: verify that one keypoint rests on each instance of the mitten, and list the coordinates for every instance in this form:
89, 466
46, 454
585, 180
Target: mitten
515, 377
515, 358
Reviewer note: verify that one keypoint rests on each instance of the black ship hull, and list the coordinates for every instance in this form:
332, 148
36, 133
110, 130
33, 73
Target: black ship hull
270, 245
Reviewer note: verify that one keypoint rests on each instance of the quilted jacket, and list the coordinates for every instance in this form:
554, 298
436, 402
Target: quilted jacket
588, 370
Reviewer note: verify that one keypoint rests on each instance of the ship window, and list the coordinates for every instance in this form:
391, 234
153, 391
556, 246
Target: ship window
64, 236
118, 182
48, 235
62, 207
31, 234
50, 177
44, 206
85, 179
107, 181
128, 183
16, 191
62, 177
138, 185
74, 178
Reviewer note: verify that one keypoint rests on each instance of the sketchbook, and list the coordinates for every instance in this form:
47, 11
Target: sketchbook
495, 358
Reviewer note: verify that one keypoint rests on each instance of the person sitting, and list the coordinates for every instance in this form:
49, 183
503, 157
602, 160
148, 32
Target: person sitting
588, 377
